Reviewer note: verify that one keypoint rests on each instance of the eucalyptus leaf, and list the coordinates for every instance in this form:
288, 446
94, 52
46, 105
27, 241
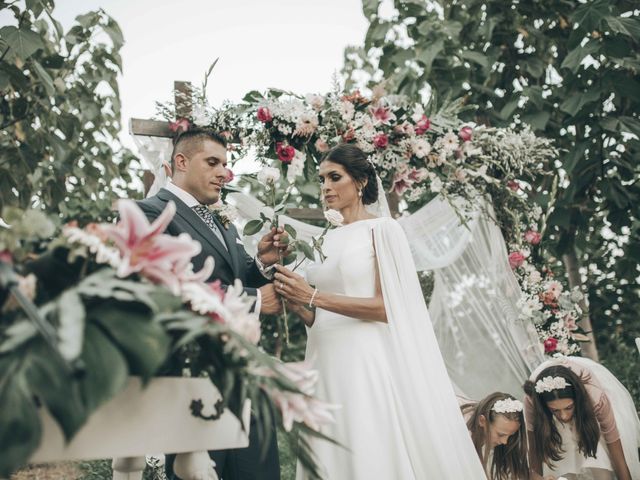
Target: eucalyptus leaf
252, 227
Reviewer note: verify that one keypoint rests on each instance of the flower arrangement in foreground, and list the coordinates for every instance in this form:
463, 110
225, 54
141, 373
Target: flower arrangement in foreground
124, 300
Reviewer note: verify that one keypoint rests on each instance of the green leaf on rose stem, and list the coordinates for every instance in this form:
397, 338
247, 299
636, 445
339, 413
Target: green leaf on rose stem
306, 249
289, 259
290, 230
252, 227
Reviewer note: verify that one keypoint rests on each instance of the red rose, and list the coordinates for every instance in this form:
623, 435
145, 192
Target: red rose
422, 125
285, 152
264, 115
180, 125
532, 237
550, 345
381, 140
516, 259
465, 134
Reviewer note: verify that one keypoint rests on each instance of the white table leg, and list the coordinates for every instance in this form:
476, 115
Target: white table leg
128, 468
194, 466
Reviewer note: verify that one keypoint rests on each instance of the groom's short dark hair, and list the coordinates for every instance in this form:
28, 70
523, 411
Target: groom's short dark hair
190, 140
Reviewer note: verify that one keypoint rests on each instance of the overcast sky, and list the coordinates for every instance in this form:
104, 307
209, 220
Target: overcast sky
296, 45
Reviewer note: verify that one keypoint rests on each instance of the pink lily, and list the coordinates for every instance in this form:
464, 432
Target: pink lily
382, 115
147, 250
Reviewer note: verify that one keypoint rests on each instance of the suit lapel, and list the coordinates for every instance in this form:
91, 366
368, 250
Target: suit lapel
199, 230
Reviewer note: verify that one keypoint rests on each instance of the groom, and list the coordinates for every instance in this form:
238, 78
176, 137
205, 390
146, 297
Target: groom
198, 174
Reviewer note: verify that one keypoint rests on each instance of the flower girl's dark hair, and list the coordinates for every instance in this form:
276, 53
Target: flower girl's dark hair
357, 164
547, 442
510, 460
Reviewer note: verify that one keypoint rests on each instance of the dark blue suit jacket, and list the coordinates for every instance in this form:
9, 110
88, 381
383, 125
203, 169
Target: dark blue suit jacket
230, 264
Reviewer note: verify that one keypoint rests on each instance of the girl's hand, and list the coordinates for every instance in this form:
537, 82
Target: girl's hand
292, 286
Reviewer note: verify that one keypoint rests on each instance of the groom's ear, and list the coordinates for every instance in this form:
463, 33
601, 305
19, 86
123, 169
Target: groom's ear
179, 163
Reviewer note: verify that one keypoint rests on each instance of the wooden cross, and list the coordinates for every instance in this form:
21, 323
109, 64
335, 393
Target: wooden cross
183, 95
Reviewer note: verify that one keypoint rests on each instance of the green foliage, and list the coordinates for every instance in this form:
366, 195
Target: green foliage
570, 70
60, 113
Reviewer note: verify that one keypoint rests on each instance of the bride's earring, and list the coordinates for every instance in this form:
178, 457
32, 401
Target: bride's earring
360, 193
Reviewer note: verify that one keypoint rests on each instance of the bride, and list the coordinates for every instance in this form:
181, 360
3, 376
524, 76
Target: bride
370, 337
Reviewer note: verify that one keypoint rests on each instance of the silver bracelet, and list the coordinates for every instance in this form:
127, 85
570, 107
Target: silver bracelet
313, 297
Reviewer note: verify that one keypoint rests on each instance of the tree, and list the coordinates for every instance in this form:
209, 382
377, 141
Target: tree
60, 113
570, 70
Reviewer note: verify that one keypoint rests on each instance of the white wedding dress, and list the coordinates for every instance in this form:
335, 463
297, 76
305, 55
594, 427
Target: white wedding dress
399, 418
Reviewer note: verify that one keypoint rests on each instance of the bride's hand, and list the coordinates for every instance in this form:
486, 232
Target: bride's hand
292, 286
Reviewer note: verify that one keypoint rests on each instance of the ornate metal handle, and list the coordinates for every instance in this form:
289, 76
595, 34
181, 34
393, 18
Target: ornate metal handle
197, 406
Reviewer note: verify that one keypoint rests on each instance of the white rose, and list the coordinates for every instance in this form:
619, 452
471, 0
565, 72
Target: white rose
296, 167
334, 217
268, 175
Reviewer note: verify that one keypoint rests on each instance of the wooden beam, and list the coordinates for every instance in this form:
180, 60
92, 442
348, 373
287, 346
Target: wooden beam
305, 213
150, 128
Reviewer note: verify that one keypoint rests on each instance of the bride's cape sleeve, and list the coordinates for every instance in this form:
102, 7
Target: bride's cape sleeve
438, 441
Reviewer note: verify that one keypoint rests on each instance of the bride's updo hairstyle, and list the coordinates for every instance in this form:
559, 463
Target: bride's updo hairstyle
357, 165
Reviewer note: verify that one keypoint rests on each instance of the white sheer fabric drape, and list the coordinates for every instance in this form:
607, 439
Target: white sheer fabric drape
154, 151
473, 305
474, 302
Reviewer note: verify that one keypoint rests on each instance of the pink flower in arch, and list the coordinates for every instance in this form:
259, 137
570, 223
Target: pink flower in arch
285, 152
465, 134
180, 125
230, 176
382, 115
550, 345
381, 140
532, 237
513, 185
264, 115
422, 125
516, 259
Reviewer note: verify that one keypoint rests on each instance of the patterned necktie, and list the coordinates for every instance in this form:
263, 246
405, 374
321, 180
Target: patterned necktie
206, 215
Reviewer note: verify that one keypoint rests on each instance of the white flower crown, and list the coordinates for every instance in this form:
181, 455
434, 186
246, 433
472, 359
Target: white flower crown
508, 405
549, 384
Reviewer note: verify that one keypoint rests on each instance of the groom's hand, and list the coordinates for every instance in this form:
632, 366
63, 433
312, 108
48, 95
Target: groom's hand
273, 246
271, 304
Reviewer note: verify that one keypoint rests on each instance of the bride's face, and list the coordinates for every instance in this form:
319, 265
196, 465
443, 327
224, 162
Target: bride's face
339, 190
